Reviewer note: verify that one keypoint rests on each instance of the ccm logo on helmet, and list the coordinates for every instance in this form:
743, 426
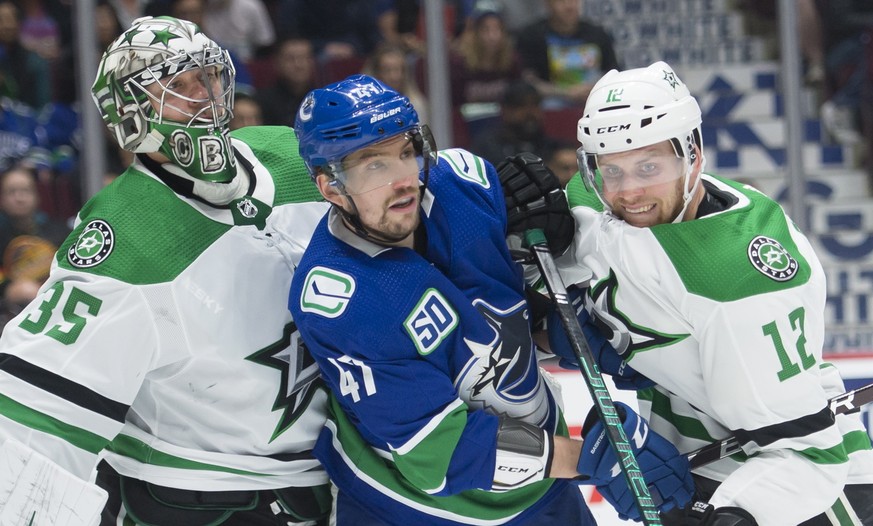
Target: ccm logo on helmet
384, 115
610, 129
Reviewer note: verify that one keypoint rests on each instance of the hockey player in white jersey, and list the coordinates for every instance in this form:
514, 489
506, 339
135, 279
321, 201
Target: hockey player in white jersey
706, 288
161, 341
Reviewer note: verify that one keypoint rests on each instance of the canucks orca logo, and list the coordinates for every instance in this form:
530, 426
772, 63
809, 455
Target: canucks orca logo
625, 336
502, 375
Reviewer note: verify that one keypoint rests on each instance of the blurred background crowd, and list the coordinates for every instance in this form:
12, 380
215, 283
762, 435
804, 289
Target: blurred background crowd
520, 71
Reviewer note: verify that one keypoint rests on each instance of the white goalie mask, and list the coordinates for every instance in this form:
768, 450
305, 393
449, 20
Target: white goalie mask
163, 86
633, 109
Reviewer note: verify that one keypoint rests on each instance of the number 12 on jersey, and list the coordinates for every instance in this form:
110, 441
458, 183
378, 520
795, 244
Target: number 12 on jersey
789, 367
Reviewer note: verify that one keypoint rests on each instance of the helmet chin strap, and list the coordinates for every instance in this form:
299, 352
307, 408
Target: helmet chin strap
687, 194
353, 220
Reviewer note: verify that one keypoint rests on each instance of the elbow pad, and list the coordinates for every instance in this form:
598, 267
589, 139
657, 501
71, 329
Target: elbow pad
524, 454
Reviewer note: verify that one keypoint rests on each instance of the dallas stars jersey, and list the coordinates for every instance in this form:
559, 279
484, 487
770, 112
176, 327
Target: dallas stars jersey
725, 314
162, 334
421, 352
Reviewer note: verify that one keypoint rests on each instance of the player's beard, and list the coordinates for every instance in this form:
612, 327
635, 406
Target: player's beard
394, 227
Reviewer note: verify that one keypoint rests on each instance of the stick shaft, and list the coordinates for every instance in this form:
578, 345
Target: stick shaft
603, 403
848, 402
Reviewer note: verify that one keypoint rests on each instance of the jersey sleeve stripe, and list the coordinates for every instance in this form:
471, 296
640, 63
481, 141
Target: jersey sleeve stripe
799, 427
26, 416
62, 387
425, 431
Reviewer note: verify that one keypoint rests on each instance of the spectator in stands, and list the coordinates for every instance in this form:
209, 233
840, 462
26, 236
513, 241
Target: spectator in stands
22, 137
397, 23
24, 75
390, 63
338, 29
19, 209
295, 77
39, 29
520, 128
485, 60
193, 11
27, 261
847, 28
562, 161
246, 112
563, 55
242, 26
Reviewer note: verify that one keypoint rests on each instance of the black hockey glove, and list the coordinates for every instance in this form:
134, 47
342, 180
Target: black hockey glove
700, 513
534, 199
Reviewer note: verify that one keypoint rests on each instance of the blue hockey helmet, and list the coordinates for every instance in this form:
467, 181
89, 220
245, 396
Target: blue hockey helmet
351, 114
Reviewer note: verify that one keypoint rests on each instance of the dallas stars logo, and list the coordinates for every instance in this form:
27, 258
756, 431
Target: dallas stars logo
93, 246
627, 337
671, 79
300, 377
771, 259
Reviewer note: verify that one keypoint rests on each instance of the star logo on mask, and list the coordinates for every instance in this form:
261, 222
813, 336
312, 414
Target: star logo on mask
163, 36
130, 35
300, 377
671, 79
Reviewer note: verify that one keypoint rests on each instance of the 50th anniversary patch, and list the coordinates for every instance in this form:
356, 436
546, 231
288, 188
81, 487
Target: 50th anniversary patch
94, 245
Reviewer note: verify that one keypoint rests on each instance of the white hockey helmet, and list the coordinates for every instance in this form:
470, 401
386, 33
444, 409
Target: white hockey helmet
134, 88
632, 109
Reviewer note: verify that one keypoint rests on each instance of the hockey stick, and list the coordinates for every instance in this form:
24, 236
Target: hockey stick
848, 402
535, 241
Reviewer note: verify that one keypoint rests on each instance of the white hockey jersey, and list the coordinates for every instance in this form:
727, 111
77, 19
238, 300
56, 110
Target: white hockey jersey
725, 314
162, 339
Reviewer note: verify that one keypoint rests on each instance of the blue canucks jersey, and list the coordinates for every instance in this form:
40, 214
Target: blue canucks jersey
422, 352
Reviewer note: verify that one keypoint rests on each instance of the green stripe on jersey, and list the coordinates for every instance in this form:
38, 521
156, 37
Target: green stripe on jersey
426, 464
156, 234
856, 441
477, 504
832, 455
139, 450
33, 419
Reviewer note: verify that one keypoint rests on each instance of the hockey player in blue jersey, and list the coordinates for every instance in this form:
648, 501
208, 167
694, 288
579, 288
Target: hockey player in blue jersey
411, 304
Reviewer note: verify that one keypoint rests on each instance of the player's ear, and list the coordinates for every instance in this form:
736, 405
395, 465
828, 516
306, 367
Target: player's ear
327, 185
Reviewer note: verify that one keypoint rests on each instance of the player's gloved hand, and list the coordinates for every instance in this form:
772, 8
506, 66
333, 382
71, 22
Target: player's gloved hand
666, 471
534, 199
623, 375
700, 513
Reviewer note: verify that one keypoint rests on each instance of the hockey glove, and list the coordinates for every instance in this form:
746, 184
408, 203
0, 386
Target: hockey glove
534, 199
623, 375
665, 470
702, 514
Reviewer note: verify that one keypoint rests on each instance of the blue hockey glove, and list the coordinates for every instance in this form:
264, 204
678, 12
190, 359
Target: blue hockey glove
623, 375
665, 469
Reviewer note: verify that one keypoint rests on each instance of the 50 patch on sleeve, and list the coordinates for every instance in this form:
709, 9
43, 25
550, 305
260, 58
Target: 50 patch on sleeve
432, 319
